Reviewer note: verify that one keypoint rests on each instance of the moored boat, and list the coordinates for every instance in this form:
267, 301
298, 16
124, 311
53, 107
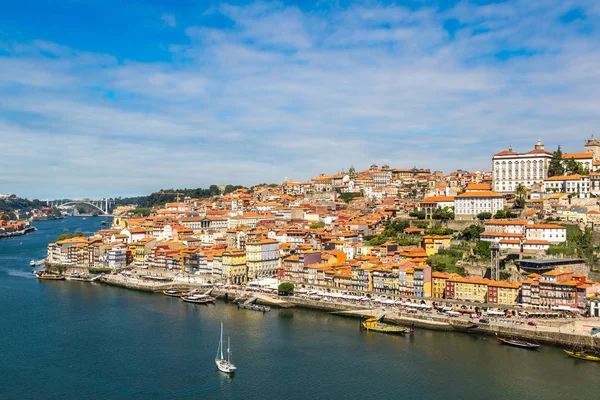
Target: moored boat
518, 343
48, 276
173, 293
198, 299
582, 355
373, 324
224, 364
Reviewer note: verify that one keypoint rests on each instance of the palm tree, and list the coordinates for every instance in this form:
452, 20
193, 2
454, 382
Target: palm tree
521, 191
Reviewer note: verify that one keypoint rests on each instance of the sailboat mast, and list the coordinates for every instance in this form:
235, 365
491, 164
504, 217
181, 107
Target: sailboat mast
221, 341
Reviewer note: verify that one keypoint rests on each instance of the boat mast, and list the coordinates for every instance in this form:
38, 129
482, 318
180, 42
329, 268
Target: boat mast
221, 341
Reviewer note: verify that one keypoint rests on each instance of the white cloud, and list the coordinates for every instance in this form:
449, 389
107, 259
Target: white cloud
169, 20
285, 92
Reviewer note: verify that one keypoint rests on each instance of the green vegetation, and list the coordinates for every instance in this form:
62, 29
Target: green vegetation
394, 232
13, 202
437, 229
444, 214
54, 212
482, 250
8, 216
285, 288
484, 215
471, 232
579, 243
445, 260
348, 197
158, 199
504, 276
503, 214
317, 225
99, 270
142, 212
417, 214
555, 168
66, 236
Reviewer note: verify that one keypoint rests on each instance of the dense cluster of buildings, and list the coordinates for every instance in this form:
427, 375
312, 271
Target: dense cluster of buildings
305, 233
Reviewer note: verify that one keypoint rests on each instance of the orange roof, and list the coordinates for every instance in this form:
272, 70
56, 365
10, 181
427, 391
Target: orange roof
501, 222
479, 194
578, 155
437, 199
545, 226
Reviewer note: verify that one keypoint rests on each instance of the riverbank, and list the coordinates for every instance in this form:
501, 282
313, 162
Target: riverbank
18, 233
557, 333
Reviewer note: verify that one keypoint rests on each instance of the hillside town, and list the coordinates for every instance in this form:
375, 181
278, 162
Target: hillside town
398, 232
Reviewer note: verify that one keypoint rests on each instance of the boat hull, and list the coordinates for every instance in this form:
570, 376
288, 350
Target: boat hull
172, 294
51, 277
518, 343
198, 301
225, 366
582, 356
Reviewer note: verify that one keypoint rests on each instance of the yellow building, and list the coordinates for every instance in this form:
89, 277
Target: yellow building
470, 289
504, 293
438, 280
234, 265
433, 243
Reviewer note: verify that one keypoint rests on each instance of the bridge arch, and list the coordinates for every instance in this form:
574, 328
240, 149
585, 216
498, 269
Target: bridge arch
69, 203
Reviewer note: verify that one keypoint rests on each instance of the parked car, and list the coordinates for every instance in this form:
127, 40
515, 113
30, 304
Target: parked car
484, 321
531, 323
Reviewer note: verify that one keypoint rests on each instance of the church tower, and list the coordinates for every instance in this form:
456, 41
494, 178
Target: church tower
592, 145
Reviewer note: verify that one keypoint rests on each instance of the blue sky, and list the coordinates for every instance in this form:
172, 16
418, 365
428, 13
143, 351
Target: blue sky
106, 98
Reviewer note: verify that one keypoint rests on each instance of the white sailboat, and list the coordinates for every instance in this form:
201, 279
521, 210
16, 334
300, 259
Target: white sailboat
224, 364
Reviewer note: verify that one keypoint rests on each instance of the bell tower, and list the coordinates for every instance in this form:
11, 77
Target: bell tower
592, 145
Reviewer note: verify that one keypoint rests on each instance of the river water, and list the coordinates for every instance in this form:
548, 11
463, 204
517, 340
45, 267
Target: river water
85, 340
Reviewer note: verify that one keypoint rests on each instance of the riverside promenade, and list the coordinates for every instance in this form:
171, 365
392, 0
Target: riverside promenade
559, 332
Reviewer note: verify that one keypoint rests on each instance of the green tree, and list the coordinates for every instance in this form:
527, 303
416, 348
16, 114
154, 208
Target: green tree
500, 214
417, 214
66, 236
555, 167
8, 216
471, 232
285, 288
484, 215
317, 225
54, 212
572, 167
444, 214
214, 190
482, 249
142, 212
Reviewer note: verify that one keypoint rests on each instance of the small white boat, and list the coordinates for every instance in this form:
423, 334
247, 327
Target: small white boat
224, 364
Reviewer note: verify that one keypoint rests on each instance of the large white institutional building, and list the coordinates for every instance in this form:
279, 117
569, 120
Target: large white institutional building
511, 169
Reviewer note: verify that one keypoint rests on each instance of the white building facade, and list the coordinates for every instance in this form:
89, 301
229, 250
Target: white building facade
510, 168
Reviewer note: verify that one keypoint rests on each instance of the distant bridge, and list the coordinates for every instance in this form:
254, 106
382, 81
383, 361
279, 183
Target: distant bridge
102, 205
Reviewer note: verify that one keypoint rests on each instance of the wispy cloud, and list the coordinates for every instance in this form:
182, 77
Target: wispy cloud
169, 20
255, 93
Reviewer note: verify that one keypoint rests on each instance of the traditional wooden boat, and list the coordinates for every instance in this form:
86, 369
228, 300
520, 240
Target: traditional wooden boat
518, 343
373, 324
582, 355
50, 277
173, 293
198, 299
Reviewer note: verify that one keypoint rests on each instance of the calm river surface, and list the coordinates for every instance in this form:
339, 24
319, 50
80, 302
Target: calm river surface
77, 340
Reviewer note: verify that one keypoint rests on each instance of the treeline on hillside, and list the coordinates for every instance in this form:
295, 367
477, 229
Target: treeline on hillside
163, 196
16, 203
